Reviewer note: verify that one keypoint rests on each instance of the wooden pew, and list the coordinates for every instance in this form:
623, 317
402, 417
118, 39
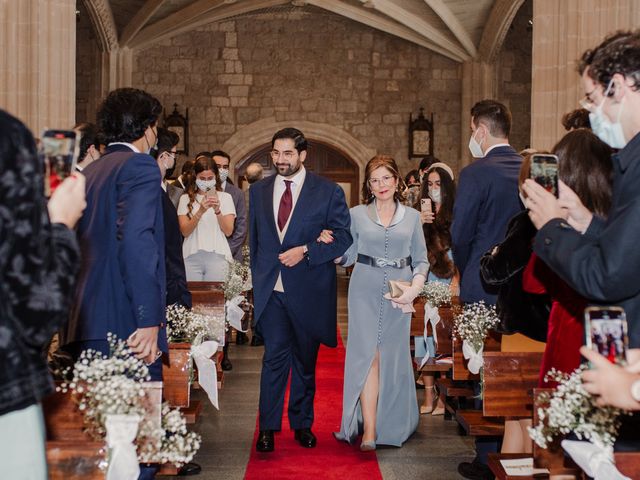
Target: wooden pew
69, 460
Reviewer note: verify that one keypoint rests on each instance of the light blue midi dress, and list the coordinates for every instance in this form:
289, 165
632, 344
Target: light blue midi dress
375, 325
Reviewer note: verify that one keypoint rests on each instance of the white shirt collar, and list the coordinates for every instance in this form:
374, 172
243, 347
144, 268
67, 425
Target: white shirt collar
131, 146
495, 146
297, 179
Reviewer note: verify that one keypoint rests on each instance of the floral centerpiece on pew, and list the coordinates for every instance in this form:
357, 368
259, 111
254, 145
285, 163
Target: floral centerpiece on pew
205, 333
471, 326
110, 393
436, 294
569, 408
238, 280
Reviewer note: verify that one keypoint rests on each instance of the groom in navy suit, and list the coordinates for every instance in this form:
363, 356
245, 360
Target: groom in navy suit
294, 282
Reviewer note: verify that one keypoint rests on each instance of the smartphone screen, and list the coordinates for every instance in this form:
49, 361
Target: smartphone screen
59, 152
544, 170
425, 204
606, 332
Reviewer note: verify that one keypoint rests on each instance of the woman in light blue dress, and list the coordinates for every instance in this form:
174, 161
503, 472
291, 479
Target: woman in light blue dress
379, 399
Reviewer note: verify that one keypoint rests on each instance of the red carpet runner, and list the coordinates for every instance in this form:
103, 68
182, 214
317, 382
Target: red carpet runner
330, 459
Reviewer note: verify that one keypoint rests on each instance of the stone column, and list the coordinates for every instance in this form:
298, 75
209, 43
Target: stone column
478, 83
562, 30
38, 62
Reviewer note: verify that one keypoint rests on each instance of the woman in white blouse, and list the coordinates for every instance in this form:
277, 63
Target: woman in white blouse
206, 217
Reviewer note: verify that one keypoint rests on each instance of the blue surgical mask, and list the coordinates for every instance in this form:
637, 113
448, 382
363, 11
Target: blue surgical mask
436, 195
609, 132
474, 147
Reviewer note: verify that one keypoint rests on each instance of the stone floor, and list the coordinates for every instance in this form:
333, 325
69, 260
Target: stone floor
433, 452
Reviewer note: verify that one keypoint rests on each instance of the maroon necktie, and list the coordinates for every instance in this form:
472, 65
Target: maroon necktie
286, 202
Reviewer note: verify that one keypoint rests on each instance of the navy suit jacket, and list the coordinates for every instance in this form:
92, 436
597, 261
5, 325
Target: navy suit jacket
177, 290
236, 240
122, 280
486, 199
310, 286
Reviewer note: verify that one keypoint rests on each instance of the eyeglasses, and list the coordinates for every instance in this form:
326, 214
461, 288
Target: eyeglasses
586, 102
287, 154
386, 180
171, 154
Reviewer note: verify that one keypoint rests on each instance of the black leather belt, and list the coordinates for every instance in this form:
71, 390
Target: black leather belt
383, 262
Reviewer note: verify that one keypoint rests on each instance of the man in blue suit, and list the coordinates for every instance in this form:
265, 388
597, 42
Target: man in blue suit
487, 198
294, 282
122, 287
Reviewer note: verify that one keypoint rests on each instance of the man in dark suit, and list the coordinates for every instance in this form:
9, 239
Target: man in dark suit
121, 288
487, 198
294, 281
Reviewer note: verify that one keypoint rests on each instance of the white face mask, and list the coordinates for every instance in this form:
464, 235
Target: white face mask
474, 147
436, 195
224, 174
609, 132
205, 185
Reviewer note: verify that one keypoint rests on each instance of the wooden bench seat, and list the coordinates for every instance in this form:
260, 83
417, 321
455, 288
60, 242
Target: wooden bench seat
74, 460
477, 425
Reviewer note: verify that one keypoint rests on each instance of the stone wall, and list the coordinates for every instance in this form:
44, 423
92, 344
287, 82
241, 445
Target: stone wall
88, 58
513, 68
309, 65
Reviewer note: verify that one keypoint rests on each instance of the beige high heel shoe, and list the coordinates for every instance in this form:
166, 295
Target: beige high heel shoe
426, 409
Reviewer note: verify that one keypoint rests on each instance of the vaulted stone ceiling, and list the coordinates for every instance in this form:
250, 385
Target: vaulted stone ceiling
459, 29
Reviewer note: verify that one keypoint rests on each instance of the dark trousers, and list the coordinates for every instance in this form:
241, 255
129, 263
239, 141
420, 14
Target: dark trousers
287, 348
147, 471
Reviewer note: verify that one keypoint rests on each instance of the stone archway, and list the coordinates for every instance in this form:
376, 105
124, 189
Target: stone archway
248, 138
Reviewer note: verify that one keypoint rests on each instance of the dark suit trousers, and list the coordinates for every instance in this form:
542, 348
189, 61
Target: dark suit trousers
287, 348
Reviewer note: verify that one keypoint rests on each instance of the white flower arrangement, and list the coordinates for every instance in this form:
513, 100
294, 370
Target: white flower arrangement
113, 385
570, 408
474, 322
238, 279
185, 325
436, 293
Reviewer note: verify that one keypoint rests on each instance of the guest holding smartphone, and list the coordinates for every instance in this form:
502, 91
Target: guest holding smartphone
206, 216
436, 213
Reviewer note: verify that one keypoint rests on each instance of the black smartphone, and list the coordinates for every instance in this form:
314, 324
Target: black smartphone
59, 153
544, 170
606, 332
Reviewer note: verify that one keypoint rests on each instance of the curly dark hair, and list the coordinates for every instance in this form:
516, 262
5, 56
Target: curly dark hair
126, 114
89, 135
389, 163
618, 53
300, 142
578, 118
437, 235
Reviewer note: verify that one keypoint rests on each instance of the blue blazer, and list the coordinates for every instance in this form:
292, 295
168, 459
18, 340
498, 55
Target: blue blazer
122, 280
310, 286
486, 199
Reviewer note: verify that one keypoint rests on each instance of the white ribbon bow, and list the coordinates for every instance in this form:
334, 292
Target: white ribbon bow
207, 374
123, 459
431, 315
475, 358
595, 461
235, 313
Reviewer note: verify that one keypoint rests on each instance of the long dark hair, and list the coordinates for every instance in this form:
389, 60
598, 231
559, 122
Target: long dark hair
389, 163
584, 164
201, 164
437, 235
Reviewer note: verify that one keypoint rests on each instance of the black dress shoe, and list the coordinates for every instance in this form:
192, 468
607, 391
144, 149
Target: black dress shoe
475, 470
188, 469
241, 338
226, 364
265, 441
256, 341
305, 437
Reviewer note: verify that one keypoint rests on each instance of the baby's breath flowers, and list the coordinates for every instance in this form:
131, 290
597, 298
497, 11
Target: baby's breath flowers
570, 408
185, 325
473, 324
104, 385
238, 279
436, 293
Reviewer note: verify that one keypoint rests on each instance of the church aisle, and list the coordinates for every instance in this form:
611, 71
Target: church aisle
433, 452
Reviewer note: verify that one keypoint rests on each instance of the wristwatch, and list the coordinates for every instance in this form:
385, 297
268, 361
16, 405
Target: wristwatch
635, 390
